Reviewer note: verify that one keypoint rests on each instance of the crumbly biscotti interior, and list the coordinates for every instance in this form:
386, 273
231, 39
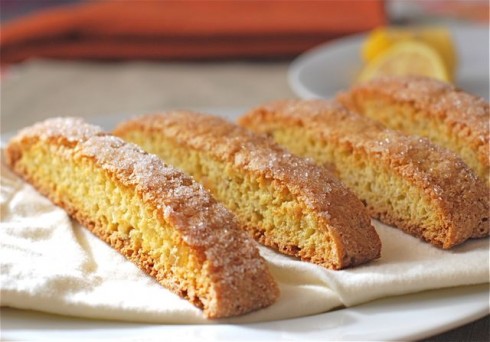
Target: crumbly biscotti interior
117, 215
404, 117
387, 195
270, 212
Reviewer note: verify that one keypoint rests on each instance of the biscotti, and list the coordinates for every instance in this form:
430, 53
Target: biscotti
153, 214
284, 201
434, 109
405, 181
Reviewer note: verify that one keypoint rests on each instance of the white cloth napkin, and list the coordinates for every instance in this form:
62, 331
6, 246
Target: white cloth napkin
50, 263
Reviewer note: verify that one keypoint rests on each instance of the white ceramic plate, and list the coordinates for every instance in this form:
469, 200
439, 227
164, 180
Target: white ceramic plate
409, 317
329, 68
413, 316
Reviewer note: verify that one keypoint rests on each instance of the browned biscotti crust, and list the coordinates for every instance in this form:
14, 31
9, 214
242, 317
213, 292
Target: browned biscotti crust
428, 107
238, 277
343, 218
436, 173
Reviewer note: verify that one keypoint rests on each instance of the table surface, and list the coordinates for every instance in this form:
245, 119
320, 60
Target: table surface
40, 89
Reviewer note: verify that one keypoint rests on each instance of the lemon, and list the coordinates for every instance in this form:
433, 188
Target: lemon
378, 41
408, 57
439, 38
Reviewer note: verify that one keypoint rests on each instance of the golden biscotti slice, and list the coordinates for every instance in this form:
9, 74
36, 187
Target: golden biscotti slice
153, 214
430, 108
405, 181
284, 201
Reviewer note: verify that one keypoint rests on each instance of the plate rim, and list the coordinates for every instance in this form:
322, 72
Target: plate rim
297, 64
465, 295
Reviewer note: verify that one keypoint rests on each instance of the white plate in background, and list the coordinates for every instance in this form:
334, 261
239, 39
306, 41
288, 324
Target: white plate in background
408, 317
331, 67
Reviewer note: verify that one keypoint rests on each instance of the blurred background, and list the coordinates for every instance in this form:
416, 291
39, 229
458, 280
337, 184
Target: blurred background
99, 58
180, 29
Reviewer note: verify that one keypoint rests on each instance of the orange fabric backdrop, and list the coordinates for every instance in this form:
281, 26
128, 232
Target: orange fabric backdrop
185, 29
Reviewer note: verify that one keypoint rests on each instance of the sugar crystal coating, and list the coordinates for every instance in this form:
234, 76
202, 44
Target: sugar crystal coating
204, 224
432, 170
317, 186
300, 193
465, 117
184, 202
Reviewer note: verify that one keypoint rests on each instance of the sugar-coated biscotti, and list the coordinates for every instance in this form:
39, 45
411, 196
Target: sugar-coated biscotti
405, 181
155, 215
430, 108
284, 201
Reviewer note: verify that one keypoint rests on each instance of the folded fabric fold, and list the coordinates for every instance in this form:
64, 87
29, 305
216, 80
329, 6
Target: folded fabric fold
185, 29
